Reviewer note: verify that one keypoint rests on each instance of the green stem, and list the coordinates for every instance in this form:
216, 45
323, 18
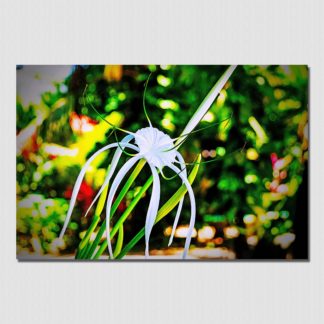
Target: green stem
96, 241
120, 240
85, 240
131, 244
90, 230
85, 251
101, 250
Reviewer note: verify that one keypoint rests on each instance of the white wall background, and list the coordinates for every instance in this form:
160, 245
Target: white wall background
178, 31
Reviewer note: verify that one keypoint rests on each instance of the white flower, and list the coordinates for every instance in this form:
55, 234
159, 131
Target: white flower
159, 151
156, 147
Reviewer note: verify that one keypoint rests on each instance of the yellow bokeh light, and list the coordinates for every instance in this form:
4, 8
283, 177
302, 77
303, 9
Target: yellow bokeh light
250, 178
252, 240
166, 123
209, 117
163, 81
272, 215
231, 232
206, 233
252, 154
168, 231
221, 98
249, 219
168, 104
182, 232
262, 137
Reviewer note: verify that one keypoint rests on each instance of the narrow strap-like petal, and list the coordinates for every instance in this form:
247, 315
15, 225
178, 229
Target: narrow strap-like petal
113, 166
119, 177
152, 209
193, 208
78, 182
176, 220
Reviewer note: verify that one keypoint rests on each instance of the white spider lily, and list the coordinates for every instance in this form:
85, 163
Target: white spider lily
159, 151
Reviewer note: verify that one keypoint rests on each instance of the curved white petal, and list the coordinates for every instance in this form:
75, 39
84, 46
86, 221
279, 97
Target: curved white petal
113, 166
193, 208
152, 209
156, 146
119, 177
176, 220
78, 182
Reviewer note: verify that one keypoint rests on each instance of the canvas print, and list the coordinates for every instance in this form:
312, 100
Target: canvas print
162, 162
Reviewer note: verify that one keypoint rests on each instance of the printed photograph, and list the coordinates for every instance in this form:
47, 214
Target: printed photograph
162, 163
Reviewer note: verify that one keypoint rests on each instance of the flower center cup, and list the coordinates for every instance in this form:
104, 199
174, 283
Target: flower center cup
155, 146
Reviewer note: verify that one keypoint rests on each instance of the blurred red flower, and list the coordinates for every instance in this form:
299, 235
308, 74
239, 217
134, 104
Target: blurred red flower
85, 195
